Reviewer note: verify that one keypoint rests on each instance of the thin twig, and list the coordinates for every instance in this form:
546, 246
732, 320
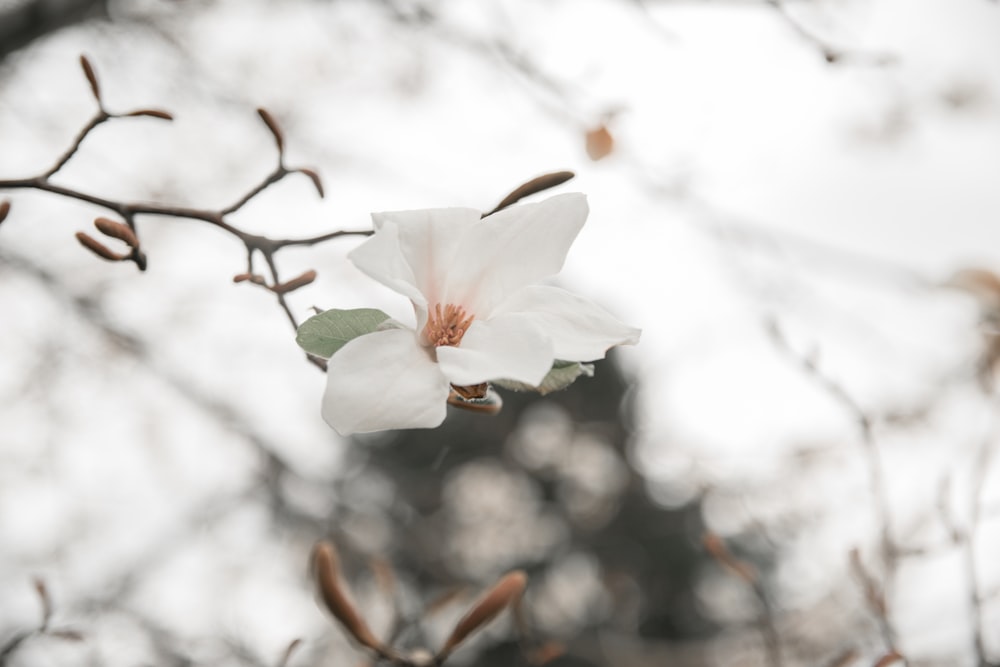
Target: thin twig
876, 473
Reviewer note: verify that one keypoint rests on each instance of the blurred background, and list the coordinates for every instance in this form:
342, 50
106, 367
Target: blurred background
796, 200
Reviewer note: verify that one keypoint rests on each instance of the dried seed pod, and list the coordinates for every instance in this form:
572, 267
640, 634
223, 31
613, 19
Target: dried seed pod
88, 71
721, 553
272, 125
4, 209
152, 113
117, 230
99, 249
295, 283
534, 186
335, 596
504, 593
314, 177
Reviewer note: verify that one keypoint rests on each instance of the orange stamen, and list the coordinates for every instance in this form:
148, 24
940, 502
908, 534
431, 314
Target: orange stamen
446, 326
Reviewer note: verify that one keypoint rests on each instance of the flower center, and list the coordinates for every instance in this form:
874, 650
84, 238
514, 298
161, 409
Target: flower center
447, 325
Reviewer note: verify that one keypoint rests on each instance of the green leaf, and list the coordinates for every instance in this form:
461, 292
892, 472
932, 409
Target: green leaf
562, 375
325, 333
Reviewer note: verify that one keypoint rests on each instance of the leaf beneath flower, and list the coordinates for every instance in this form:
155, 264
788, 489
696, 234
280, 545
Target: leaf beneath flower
562, 375
330, 330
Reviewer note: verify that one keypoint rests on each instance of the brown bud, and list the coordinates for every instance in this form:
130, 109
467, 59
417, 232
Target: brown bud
88, 71
43, 596
888, 659
295, 283
599, 143
4, 209
534, 186
117, 230
337, 599
98, 248
720, 552
546, 653
315, 179
504, 593
139, 257
152, 113
847, 657
272, 125
249, 277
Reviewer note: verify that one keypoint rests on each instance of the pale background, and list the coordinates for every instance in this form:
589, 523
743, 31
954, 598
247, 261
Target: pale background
752, 182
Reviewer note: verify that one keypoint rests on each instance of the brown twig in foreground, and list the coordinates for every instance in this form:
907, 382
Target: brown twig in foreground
127, 232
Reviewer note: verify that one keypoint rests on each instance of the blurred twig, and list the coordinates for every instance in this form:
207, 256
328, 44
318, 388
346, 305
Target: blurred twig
747, 573
876, 473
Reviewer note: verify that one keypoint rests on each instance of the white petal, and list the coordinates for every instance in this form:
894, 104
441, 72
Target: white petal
513, 248
580, 330
417, 249
381, 257
508, 347
384, 380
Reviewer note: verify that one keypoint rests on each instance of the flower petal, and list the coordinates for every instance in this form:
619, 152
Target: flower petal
413, 251
513, 248
384, 380
580, 329
381, 257
508, 346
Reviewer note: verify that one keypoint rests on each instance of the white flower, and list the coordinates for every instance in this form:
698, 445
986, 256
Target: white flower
480, 315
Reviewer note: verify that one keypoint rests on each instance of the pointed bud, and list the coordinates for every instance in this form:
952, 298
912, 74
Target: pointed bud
139, 257
272, 125
4, 209
534, 186
43, 596
888, 659
88, 71
504, 593
152, 113
98, 248
117, 230
295, 283
337, 599
314, 177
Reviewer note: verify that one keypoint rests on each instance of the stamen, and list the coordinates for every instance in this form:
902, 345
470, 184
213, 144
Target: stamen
446, 326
